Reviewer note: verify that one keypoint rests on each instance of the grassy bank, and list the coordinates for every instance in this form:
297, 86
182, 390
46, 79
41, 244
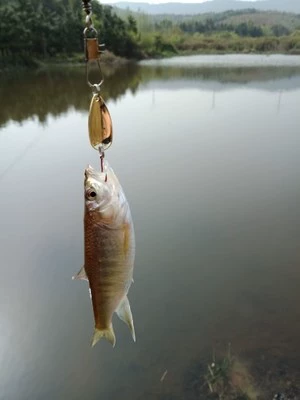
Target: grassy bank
106, 57
252, 377
23, 61
162, 45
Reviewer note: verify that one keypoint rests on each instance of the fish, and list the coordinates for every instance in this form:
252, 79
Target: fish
109, 251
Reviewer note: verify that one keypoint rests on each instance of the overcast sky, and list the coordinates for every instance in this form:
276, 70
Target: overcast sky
158, 1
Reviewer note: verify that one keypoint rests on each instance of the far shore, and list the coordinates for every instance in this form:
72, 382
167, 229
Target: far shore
109, 59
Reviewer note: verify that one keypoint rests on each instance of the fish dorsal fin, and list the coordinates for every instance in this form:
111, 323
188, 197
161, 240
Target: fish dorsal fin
81, 275
124, 313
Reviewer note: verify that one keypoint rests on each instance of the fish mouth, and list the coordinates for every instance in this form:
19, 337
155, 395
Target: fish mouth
88, 171
91, 173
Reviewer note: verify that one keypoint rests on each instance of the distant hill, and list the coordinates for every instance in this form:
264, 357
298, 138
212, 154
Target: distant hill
214, 6
265, 19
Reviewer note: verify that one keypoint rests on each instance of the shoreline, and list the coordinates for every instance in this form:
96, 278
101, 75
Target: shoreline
74, 60
112, 60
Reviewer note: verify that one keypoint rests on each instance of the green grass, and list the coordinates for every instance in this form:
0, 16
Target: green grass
165, 45
229, 379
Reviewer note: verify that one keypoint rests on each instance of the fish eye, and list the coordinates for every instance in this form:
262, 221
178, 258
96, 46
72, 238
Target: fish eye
91, 194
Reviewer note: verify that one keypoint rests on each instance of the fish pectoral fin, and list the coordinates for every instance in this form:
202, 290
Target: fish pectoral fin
104, 333
81, 275
124, 313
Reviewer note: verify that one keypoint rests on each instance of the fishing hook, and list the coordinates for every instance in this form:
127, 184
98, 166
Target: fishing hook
102, 155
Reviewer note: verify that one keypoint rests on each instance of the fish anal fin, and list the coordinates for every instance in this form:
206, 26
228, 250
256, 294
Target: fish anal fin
108, 334
124, 313
81, 275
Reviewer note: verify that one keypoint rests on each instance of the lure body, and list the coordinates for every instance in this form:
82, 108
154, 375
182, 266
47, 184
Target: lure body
100, 124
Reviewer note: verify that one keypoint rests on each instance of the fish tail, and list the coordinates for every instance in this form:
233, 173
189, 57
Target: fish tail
104, 333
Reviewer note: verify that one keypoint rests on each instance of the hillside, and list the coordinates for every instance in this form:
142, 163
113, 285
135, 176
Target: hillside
245, 31
264, 19
267, 20
214, 6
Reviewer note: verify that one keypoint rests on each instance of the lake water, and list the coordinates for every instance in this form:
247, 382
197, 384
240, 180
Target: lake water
208, 154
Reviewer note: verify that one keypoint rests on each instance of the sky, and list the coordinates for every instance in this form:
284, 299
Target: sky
158, 1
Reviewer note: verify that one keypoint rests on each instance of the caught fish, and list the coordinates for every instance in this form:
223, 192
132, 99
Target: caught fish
109, 251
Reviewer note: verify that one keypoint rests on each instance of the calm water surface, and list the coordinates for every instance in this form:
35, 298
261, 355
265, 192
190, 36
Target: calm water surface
209, 158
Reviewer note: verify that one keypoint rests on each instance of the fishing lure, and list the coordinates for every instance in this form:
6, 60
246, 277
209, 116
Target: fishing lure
109, 242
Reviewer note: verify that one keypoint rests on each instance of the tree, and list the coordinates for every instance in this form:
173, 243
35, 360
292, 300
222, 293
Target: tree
280, 30
48, 27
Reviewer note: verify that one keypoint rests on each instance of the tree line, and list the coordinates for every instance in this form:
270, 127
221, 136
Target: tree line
45, 28
211, 25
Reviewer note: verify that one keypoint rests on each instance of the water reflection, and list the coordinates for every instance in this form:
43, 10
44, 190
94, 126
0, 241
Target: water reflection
211, 171
53, 92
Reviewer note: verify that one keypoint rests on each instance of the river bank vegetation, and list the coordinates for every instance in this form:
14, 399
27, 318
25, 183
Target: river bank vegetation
35, 31
248, 31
